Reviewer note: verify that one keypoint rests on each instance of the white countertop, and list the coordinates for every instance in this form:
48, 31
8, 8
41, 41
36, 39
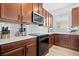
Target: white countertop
14, 39
65, 33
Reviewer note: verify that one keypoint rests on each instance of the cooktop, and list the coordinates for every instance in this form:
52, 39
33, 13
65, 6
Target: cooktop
38, 34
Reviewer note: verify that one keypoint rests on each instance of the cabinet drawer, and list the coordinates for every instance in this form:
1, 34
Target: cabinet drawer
30, 41
15, 52
74, 36
11, 46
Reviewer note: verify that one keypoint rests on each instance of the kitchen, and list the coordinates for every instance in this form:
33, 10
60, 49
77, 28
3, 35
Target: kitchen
36, 29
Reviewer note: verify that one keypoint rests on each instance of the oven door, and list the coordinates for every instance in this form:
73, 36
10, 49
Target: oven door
43, 46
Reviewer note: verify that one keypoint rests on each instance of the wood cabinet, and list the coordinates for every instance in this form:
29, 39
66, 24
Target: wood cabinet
44, 14
15, 12
10, 11
62, 40
75, 42
51, 21
27, 12
67, 41
19, 48
48, 18
36, 7
31, 49
75, 16
51, 40
40, 8
27, 9
16, 52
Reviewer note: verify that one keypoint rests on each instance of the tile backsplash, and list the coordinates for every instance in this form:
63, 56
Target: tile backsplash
32, 28
12, 27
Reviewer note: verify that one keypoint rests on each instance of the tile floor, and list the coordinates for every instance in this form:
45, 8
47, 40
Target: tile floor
60, 51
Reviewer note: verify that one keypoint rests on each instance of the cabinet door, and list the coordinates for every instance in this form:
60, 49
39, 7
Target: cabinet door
51, 40
27, 12
40, 8
10, 11
44, 14
35, 7
75, 16
31, 50
57, 40
16, 52
75, 43
51, 20
60, 40
46, 19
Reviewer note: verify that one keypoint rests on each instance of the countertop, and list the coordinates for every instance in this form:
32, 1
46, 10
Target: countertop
65, 33
14, 39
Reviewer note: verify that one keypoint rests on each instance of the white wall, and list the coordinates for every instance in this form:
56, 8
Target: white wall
63, 15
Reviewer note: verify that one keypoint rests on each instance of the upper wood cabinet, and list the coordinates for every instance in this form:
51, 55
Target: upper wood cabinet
27, 12
75, 17
36, 7
40, 8
15, 12
43, 14
50, 21
46, 16
10, 11
47, 19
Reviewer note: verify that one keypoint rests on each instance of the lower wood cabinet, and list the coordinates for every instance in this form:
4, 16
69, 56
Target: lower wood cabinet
75, 42
67, 41
31, 50
51, 40
26, 47
16, 52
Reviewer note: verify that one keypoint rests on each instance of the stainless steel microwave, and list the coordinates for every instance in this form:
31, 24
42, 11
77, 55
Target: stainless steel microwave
38, 19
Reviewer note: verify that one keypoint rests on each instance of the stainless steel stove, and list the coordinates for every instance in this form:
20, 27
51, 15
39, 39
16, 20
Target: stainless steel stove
42, 43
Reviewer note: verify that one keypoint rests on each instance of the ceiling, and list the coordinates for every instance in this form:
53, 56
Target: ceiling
51, 7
